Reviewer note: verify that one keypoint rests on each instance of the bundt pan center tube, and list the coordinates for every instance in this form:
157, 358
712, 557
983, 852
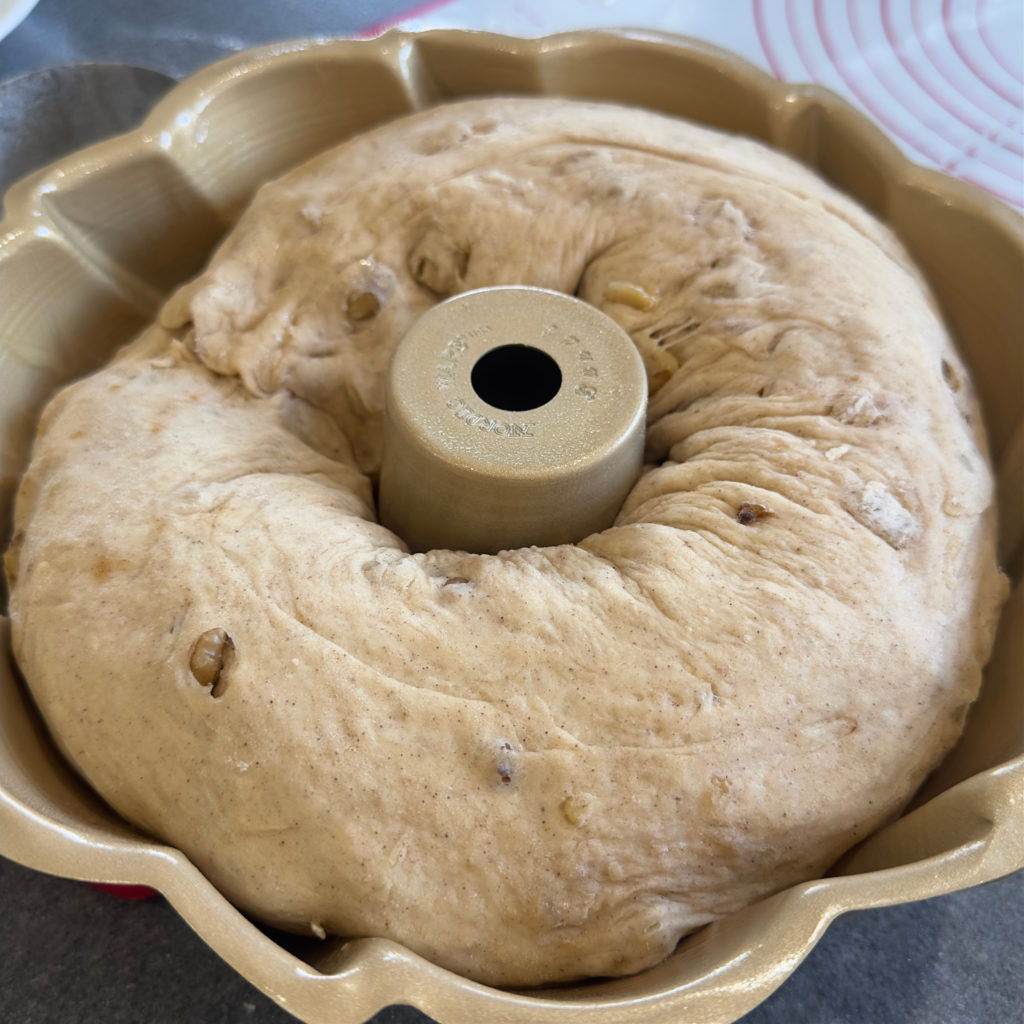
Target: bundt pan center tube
514, 417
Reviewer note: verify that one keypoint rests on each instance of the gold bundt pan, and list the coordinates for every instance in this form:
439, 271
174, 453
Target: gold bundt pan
91, 246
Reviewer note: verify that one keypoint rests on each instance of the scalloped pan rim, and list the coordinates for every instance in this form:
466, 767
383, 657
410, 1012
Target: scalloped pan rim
972, 831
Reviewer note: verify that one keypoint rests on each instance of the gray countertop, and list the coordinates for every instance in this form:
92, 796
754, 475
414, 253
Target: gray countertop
69, 952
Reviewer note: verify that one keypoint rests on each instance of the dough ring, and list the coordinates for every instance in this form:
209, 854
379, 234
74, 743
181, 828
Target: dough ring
548, 763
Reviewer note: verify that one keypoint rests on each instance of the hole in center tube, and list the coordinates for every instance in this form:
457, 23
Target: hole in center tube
516, 378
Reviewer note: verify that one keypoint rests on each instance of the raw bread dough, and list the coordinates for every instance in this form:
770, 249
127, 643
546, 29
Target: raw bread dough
549, 763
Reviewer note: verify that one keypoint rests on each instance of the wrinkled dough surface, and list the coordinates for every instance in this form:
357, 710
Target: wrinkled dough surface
548, 763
